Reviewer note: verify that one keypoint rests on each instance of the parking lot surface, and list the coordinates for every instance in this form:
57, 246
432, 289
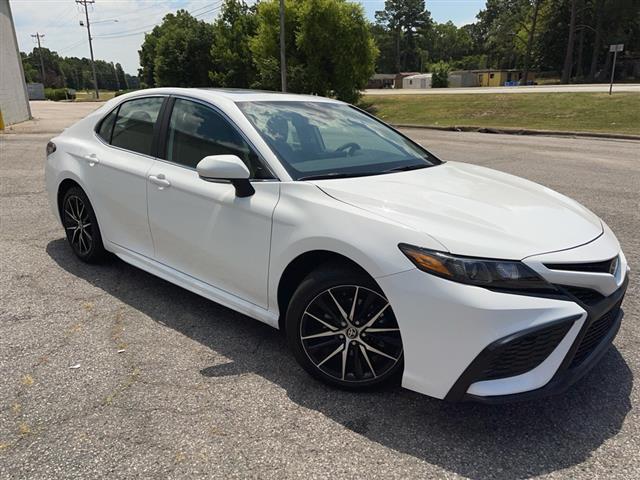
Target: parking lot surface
109, 372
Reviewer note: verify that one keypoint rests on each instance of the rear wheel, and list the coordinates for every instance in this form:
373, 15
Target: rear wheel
81, 226
342, 329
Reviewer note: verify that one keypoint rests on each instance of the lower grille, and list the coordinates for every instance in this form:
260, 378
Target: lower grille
594, 335
585, 295
525, 353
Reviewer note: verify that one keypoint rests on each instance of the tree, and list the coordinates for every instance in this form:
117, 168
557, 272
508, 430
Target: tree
440, 75
121, 77
232, 63
568, 59
147, 54
407, 20
177, 52
330, 50
532, 32
450, 42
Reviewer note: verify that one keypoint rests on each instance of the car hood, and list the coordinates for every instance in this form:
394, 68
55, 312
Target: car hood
473, 210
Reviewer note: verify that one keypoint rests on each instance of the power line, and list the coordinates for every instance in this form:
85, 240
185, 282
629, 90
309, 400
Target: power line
72, 46
144, 28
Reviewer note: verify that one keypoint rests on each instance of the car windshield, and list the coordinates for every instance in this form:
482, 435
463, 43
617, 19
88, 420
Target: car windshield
316, 140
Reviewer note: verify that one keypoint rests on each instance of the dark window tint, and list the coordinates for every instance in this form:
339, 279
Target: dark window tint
196, 131
133, 129
106, 127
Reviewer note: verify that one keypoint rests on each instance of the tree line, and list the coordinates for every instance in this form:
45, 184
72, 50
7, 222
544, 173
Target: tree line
332, 49
74, 72
569, 37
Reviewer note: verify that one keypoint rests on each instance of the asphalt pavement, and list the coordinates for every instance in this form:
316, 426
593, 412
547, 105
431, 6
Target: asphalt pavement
109, 372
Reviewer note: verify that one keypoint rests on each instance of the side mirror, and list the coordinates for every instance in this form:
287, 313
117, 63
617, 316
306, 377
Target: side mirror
226, 167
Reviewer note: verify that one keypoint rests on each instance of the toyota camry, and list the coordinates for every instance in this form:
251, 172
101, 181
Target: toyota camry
379, 260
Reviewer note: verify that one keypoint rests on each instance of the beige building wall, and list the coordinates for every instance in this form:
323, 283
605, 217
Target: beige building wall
14, 103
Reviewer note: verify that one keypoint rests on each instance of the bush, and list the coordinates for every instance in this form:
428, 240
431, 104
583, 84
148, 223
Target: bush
57, 94
440, 75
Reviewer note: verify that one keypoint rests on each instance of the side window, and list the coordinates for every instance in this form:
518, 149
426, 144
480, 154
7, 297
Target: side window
196, 131
106, 127
133, 129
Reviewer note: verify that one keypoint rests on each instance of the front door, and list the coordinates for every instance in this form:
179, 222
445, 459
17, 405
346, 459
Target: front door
202, 228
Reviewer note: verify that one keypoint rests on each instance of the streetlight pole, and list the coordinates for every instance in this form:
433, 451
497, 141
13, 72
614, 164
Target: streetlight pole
93, 63
283, 60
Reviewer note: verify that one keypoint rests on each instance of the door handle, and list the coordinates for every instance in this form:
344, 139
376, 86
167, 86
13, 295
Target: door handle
160, 180
91, 159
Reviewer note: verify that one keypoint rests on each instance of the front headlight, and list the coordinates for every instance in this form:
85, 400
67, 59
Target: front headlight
488, 273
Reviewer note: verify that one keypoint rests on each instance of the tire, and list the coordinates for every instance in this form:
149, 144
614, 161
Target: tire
81, 226
319, 333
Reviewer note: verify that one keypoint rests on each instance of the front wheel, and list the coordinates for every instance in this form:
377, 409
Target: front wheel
343, 331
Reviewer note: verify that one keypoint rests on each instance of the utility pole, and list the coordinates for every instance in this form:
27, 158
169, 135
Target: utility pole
283, 60
93, 63
38, 36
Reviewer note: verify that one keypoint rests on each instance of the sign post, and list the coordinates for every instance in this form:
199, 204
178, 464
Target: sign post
615, 49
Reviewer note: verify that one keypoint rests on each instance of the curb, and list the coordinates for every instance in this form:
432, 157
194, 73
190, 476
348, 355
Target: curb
521, 131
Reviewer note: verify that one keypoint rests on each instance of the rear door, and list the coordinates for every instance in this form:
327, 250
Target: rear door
202, 228
116, 170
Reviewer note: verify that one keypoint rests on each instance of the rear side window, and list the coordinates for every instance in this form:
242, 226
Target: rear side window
196, 131
106, 127
133, 129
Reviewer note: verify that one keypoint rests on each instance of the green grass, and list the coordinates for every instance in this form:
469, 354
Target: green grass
88, 96
579, 112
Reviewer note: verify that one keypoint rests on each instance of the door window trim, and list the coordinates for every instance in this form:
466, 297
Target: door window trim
156, 127
163, 140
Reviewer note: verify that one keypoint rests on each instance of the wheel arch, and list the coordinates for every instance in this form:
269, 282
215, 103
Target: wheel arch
63, 187
303, 265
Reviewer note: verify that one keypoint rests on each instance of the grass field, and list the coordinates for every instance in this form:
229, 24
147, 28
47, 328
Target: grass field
89, 96
579, 112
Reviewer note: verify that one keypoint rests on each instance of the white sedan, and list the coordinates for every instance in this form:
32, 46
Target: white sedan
377, 259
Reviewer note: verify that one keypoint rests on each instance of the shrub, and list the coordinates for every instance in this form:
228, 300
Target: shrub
57, 94
440, 75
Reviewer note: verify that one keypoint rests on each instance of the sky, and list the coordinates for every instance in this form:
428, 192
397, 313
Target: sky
118, 26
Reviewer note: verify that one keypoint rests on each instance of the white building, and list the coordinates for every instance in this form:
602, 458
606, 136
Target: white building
14, 103
421, 80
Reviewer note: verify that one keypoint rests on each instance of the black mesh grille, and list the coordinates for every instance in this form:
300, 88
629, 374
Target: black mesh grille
594, 267
585, 295
594, 335
524, 353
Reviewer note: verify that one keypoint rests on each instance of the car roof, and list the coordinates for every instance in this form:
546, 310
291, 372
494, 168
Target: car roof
236, 95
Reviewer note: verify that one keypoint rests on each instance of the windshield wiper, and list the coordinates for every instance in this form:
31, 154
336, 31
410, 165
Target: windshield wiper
325, 176
330, 175
406, 168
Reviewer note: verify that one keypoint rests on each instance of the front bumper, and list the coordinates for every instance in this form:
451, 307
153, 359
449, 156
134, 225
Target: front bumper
452, 335
592, 342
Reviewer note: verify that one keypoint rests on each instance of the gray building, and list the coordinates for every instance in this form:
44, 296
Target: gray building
14, 103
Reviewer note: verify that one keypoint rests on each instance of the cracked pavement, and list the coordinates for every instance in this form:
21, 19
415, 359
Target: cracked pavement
171, 385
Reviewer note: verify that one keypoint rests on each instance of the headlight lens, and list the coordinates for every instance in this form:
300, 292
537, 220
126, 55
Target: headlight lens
488, 273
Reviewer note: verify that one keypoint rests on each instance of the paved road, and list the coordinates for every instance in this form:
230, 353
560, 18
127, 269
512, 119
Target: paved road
588, 88
169, 385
